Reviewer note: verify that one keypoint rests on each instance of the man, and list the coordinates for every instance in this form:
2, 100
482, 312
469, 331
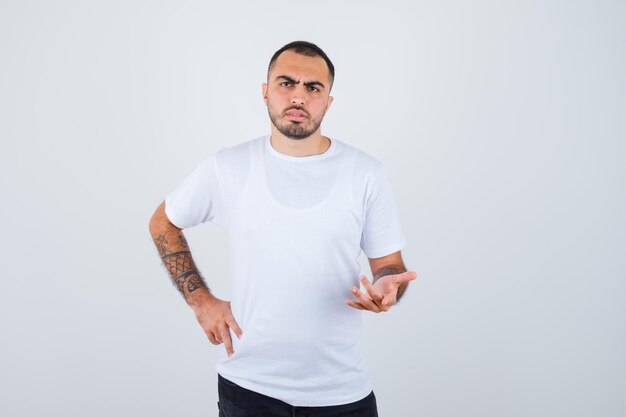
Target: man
298, 208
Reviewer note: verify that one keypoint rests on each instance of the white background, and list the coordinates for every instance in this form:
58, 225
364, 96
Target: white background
502, 128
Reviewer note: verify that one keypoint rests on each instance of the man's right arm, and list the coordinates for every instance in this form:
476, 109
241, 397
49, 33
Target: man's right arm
176, 256
213, 314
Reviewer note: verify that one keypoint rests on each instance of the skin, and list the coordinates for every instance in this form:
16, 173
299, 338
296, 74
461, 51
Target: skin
213, 314
286, 90
301, 82
294, 82
390, 282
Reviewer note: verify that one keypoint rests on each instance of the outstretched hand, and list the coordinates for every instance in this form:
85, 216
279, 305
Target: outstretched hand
382, 294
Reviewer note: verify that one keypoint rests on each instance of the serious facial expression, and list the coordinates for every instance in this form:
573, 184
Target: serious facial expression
297, 94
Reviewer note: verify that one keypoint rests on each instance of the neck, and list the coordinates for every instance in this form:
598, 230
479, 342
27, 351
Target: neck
313, 145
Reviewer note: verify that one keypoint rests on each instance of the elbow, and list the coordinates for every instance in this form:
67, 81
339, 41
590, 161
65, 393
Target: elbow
159, 221
152, 225
154, 219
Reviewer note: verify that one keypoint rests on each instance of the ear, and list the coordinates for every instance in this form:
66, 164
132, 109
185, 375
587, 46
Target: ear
264, 90
330, 101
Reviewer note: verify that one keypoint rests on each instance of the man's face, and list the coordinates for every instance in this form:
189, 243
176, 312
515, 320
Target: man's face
297, 94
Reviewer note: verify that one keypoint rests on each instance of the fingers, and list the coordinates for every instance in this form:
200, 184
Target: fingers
218, 331
212, 338
223, 336
365, 300
406, 276
358, 306
233, 325
228, 344
376, 296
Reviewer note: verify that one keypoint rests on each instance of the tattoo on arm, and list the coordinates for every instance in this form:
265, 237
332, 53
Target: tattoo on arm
183, 241
392, 270
161, 244
179, 264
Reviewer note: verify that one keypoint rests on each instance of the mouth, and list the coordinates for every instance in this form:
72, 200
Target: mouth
296, 115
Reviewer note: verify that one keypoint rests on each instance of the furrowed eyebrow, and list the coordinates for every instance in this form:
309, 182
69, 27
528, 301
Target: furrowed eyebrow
291, 80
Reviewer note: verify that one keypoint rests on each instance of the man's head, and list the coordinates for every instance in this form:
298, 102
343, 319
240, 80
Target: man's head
306, 49
297, 93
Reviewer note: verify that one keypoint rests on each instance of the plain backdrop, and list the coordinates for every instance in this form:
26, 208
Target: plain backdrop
501, 125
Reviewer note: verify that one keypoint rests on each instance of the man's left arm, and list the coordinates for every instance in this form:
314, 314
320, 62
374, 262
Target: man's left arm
381, 232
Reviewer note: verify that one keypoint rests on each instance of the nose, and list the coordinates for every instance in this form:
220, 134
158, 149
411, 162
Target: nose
297, 97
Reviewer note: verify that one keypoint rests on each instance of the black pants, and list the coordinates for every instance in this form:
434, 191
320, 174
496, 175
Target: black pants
236, 401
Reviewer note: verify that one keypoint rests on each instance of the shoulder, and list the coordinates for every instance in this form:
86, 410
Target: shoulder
233, 162
241, 150
226, 157
361, 163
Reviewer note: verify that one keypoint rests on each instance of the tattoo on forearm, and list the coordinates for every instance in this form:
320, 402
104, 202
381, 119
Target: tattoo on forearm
179, 278
161, 244
183, 241
180, 264
195, 282
392, 270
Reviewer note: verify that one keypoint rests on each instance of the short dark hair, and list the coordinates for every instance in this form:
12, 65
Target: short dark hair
307, 49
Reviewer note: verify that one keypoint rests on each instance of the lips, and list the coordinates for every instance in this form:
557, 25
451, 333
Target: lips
296, 115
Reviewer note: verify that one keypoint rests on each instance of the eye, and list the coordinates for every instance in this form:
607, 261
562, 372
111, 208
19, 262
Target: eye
313, 88
285, 82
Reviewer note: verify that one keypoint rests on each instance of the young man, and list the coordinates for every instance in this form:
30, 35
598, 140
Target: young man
298, 208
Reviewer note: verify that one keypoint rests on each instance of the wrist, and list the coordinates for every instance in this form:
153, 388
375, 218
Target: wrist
200, 298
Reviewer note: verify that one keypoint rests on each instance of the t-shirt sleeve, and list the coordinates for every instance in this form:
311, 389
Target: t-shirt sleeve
382, 233
197, 199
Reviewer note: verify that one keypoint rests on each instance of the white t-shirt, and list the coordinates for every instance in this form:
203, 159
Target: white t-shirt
295, 227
